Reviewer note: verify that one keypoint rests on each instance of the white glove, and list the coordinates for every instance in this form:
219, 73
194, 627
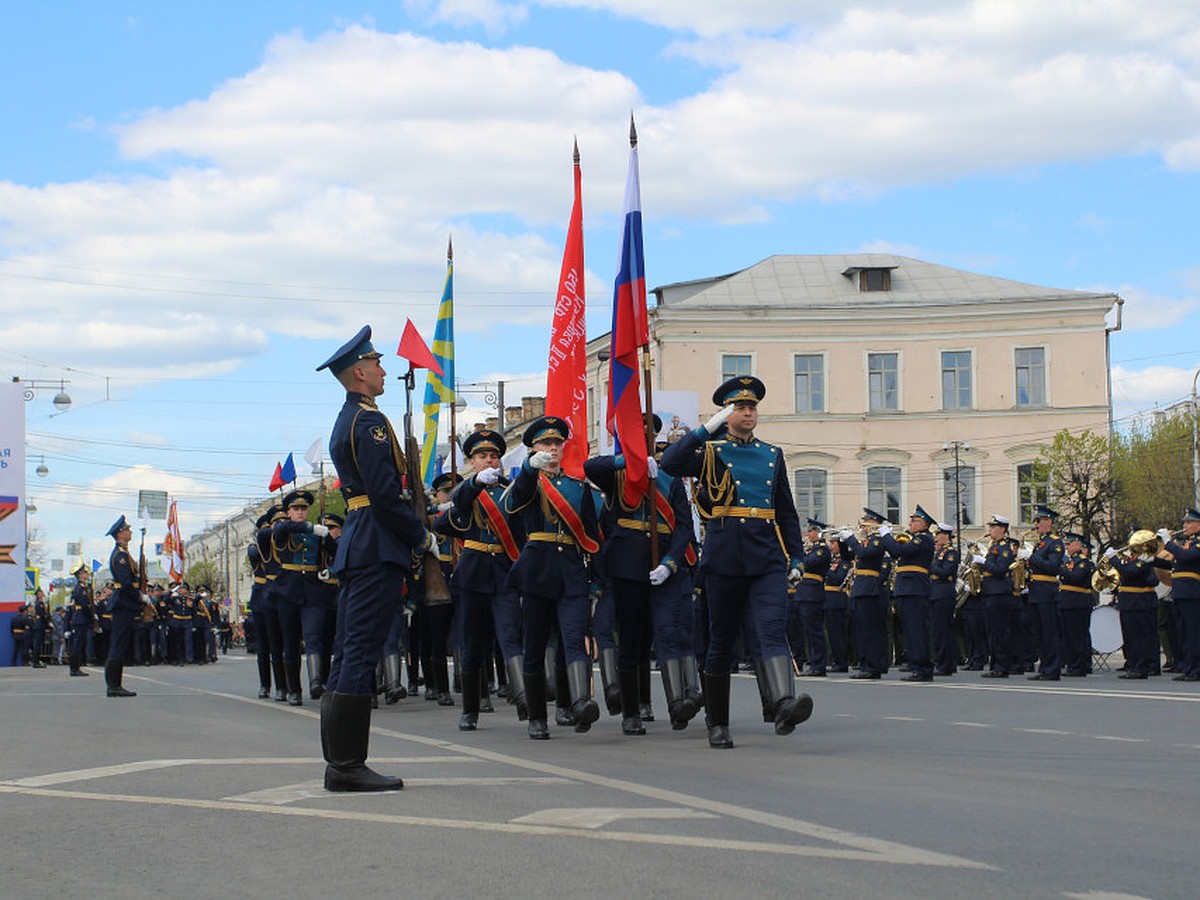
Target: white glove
1024, 553
428, 544
845, 534
442, 507
659, 574
321, 530
146, 599
1162, 591
884, 530
713, 425
651, 467
541, 459
794, 576
488, 476
978, 560
1110, 552
1164, 535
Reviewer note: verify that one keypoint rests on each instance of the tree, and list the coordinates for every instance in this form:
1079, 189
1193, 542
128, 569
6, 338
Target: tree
1082, 488
206, 572
1152, 465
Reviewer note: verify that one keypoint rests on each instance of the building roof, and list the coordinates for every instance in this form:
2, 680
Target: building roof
831, 280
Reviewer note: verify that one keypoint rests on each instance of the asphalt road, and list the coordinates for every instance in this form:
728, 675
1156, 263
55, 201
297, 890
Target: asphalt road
1085, 788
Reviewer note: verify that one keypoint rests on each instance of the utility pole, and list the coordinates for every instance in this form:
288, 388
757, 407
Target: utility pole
956, 446
1195, 447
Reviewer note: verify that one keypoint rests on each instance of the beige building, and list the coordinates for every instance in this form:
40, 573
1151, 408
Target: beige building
880, 368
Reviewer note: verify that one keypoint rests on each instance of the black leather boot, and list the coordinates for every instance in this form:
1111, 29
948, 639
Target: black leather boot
393, 688
470, 704
76, 668
631, 721
441, 672
609, 680
264, 678
789, 709
316, 687
280, 679
583, 708
552, 695
113, 670
680, 707
692, 681
514, 666
291, 671
326, 705
644, 708
716, 692
485, 694
535, 699
346, 723
562, 699
764, 692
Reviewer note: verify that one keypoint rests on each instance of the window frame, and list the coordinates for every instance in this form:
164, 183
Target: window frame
1042, 496
968, 370
887, 508
727, 354
899, 405
821, 357
822, 512
1045, 386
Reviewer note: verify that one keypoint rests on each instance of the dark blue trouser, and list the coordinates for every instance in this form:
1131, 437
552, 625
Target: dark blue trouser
671, 618
760, 602
914, 618
1000, 613
540, 614
121, 636
1046, 627
181, 635
631, 604
604, 618
812, 617
1076, 639
475, 610
839, 637
319, 625
943, 648
870, 632
366, 606
1139, 634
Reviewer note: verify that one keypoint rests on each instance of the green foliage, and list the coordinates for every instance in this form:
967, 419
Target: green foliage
1152, 467
1082, 488
205, 571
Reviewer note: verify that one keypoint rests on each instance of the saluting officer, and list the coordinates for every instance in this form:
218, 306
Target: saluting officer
382, 543
1075, 602
752, 550
1185, 590
1045, 562
1000, 604
558, 517
913, 558
125, 602
943, 596
868, 610
297, 544
810, 596
490, 546
647, 596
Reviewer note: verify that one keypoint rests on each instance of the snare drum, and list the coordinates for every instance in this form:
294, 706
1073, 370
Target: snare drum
1106, 630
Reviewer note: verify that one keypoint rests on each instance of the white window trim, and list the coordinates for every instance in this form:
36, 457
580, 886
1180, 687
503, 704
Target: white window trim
721, 354
824, 355
974, 404
1045, 348
1016, 491
828, 485
866, 487
866, 367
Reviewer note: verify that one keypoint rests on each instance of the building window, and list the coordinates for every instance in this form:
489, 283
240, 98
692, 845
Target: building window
883, 491
875, 280
1031, 376
956, 379
810, 383
734, 364
958, 492
1033, 487
883, 379
811, 494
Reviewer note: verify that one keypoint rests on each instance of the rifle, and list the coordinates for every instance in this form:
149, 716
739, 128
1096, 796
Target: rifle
436, 588
142, 565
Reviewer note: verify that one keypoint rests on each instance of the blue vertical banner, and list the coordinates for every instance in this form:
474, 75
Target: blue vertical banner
13, 511
439, 389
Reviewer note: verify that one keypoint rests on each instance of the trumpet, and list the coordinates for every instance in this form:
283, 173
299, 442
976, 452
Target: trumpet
970, 576
1019, 570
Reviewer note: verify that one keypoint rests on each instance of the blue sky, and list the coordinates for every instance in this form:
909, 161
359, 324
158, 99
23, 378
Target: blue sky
197, 202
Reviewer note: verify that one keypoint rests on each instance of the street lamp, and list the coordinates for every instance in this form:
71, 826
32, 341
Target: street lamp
493, 396
42, 470
61, 401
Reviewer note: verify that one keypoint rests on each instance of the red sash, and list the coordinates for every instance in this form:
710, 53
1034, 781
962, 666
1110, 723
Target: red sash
567, 513
668, 516
499, 525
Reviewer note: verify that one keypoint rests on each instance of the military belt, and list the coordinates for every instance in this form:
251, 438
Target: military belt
939, 578
639, 525
742, 512
1075, 589
551, 537
874, 573
260, 580
445, 557
812, 576
359, 502
1043, 578
296, 567
1195, 575
833, 587
920, 569
482, 547
1135, 590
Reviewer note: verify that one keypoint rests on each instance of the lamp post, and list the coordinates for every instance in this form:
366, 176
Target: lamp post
30, 387
956, 446
493, 396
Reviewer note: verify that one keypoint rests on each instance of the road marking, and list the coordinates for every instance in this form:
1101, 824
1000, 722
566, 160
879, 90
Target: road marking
1166, 695
901, 719
314, 790
973, 724
1113, 737
869, 849
1105, 895
1053, 731
598, 817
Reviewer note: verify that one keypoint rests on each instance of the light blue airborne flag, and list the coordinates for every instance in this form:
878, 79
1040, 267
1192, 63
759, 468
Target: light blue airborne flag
439, 389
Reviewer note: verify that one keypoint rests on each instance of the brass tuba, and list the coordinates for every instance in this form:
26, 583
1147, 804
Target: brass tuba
1019, 570
1142, 541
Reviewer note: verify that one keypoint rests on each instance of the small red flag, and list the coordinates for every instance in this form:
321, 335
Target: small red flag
277, 479
415, 350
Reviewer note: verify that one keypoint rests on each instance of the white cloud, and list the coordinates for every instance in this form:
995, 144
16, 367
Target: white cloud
1144, 311
1149, 388
493, 15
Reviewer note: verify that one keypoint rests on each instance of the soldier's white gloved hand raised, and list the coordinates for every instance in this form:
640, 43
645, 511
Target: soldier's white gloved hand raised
659, 575
442, 507
794, 577
1024, 553
978, 560
321, 530
651, 467
488, 476
541, 459
845, 534
884, 530
713, 425
1164, 535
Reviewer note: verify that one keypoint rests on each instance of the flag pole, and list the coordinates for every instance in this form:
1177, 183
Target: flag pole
651, 488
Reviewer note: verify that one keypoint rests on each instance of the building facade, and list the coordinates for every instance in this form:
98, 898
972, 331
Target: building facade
892, 381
